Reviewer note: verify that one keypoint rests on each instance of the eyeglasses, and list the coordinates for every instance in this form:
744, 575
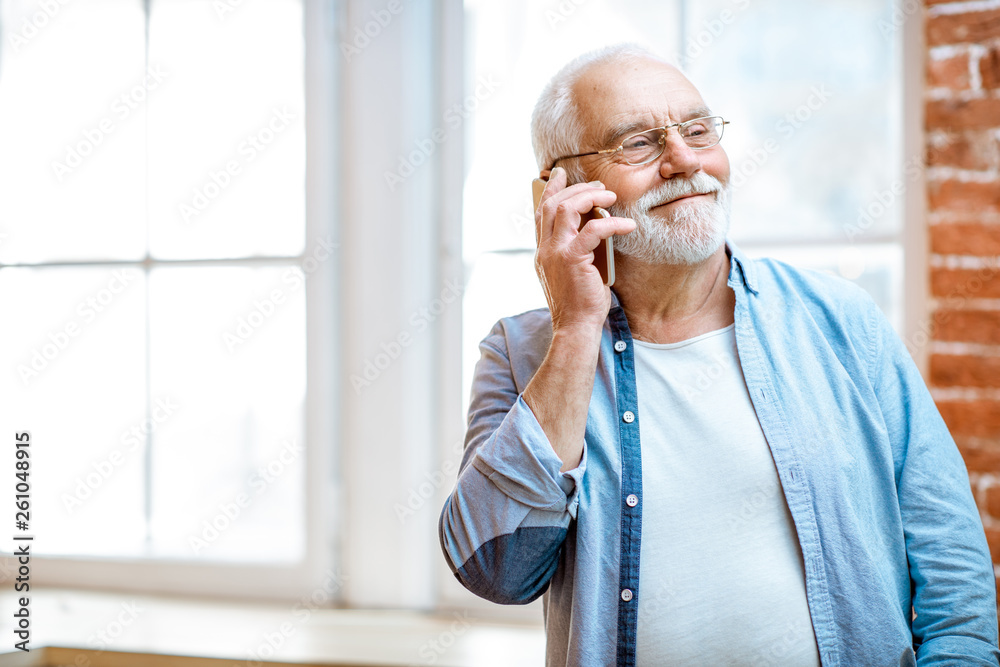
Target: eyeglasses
644, 147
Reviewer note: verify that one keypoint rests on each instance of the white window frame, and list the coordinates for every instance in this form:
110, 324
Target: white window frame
916, 251
259, 581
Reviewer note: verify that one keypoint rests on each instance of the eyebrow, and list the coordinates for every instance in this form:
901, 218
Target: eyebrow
631, 127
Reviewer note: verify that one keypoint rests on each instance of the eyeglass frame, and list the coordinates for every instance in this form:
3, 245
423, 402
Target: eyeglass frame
663, 142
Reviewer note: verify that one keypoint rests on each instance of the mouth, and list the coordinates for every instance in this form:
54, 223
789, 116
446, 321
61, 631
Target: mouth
685, 197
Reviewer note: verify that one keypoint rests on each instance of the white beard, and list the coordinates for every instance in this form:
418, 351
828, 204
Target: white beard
692, 232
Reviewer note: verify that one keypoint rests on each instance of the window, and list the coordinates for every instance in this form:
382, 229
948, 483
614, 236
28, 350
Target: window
155, 253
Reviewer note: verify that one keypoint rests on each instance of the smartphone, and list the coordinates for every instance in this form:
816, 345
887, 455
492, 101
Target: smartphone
604, 254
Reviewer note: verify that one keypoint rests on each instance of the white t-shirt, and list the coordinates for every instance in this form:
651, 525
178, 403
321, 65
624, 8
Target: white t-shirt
721, 579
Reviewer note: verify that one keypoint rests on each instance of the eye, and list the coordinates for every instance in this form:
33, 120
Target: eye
641, 141
637, 142
696, 129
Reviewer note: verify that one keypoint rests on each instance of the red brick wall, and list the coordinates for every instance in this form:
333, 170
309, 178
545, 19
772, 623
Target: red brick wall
962, 126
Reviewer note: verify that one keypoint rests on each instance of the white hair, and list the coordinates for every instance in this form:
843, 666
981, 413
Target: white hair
555, 125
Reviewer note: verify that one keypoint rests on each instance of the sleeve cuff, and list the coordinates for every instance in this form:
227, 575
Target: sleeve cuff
520, 461
957, 650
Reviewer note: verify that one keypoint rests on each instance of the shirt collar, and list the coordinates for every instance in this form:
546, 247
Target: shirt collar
746, 268
740, 268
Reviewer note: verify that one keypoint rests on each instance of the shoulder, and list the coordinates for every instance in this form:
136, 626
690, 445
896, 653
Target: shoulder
523, 336
805, 307
529, 329
522, 341
816, 291
810, 282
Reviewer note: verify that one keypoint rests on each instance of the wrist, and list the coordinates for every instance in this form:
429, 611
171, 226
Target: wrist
578, 335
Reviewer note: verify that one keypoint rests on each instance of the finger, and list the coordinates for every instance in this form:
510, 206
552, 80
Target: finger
566, 211
556, 191
555, 184
598, 229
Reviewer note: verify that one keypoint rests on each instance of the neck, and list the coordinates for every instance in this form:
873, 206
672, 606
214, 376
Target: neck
667, 303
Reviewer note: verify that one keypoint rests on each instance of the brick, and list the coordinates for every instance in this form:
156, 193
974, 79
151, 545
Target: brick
989, 68
993, 501
967, 326
965, 239
964, 370
964, 195
946, 217
978, 150
965, 283
975, 114
969, 27
979, 458
949, 73
979, 418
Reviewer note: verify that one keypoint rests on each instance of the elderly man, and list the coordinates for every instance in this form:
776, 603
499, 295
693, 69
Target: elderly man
718, 460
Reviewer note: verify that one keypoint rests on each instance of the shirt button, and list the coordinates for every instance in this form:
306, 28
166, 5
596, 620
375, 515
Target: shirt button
632, 500
620, 346
626, 594
629, 417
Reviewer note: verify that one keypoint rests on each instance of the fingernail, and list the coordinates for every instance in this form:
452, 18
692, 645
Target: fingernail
597, 184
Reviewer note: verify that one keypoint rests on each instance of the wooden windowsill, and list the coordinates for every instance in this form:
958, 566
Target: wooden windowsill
97, 629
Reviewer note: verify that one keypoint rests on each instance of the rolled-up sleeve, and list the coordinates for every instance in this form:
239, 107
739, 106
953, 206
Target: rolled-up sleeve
951, 572
503, 526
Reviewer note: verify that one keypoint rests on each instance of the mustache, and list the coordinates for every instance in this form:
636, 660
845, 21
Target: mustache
699, 184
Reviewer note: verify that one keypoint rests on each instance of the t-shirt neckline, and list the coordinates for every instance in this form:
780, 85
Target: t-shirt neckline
683, 343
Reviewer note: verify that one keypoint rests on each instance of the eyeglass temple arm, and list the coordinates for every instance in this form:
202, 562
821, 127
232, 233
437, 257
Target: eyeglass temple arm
567, 157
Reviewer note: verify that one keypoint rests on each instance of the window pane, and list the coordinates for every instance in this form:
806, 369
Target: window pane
816, 126
227, 131
228, 347
74, 374
72, 83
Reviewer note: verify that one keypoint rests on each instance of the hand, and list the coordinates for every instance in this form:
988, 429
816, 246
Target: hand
564, 261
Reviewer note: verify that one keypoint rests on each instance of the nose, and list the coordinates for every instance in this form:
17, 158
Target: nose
678, 159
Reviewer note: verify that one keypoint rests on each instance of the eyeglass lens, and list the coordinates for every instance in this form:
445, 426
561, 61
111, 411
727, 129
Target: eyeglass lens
647, 146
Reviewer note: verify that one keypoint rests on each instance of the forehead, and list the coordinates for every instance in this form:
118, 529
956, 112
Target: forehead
641, 94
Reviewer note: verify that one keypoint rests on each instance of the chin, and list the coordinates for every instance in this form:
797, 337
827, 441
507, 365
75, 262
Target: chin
687, 235
685, 231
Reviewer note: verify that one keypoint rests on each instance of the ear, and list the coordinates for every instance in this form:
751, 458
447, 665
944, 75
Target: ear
544, 174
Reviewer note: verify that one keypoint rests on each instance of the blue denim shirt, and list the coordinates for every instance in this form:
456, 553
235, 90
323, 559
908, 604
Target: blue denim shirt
896, 563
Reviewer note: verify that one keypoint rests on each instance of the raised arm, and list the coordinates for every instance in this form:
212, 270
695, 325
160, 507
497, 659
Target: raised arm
559, 393
503, 526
